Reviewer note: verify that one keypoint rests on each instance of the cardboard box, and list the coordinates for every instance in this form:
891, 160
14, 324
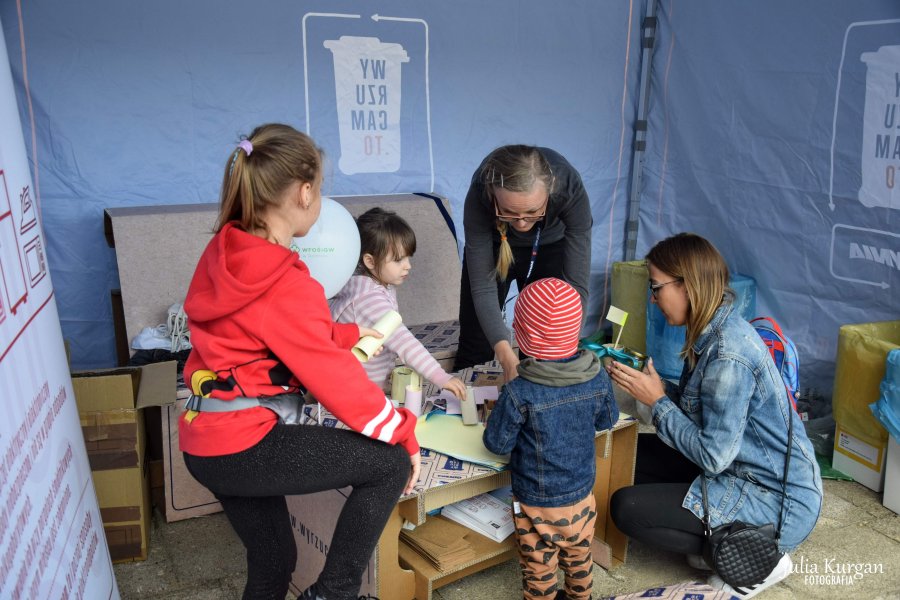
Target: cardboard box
860, 441
184, 496
891, 498
109, 406
860, 460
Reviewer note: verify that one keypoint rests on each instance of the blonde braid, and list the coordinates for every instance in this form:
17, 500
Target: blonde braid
504, 254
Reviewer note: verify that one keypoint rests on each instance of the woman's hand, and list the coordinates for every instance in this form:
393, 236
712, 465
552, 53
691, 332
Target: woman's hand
456, 387
508, 360
416, 461
646, 386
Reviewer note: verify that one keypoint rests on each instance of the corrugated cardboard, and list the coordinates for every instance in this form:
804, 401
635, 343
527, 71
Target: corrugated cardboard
110, 408
184, 496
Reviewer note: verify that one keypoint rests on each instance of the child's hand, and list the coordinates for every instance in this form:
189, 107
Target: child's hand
456, 387
415, 462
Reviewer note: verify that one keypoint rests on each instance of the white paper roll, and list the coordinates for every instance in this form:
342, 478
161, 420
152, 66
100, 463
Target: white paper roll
468, 408
414, 400
366, 347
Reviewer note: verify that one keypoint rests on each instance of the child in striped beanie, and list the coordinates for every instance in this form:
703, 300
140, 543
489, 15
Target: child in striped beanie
547, 418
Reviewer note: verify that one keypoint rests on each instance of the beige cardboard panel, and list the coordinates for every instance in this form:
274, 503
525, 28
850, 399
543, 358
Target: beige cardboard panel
125, 542
118, 487
106, 390
158, 383
119, 514
313, 518
155, 275
125, 387
125, 494
623, 457
185, 496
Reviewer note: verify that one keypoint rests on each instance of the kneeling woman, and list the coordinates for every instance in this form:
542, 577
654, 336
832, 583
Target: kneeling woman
726, 420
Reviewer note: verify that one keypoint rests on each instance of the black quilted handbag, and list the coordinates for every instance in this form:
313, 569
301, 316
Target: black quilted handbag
744, 554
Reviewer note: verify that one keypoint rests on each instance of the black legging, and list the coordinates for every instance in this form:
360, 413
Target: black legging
650, 510
474, 348
302, 459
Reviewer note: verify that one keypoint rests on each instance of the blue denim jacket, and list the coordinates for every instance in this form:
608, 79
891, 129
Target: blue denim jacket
729, 416
549, 431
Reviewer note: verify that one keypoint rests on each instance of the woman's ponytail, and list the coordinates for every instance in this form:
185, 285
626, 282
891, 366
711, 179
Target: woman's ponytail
504, 254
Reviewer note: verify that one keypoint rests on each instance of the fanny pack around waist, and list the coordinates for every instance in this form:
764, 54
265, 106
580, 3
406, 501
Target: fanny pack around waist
288, 407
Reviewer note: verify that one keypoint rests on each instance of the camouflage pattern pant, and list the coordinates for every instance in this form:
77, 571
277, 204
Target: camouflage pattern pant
556, 536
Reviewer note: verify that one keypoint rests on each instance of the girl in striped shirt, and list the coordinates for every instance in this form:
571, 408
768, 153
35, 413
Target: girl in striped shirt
387, 243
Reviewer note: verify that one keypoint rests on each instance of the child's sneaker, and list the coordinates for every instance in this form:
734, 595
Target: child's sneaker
779, 573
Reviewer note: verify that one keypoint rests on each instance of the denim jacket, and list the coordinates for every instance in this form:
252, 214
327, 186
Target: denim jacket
729, 416
547, 419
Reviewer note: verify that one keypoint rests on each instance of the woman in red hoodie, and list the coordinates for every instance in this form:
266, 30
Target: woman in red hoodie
260, 323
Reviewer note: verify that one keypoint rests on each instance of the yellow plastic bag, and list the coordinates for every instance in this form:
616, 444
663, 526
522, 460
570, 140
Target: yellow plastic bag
861, 361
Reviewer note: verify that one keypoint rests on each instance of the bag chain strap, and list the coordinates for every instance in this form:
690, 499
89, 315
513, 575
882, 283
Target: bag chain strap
787, 462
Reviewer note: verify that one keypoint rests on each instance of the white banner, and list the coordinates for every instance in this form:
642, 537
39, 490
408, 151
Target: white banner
52, 543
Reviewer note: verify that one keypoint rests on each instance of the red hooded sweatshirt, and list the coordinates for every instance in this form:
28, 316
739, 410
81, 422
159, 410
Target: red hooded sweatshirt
261, 323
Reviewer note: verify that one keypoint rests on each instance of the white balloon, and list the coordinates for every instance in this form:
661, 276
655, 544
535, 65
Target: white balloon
331, 247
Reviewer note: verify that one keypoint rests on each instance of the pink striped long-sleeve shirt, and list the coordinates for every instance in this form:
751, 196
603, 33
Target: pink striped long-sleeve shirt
363, 301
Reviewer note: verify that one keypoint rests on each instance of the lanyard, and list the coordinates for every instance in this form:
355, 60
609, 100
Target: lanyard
534, 251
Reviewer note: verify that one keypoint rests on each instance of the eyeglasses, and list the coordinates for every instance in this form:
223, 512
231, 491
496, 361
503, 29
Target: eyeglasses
511, 219
655, 287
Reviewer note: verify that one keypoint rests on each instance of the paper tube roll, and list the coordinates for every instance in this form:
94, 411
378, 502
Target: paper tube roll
402, 377
366, 347
468, 408
414, 400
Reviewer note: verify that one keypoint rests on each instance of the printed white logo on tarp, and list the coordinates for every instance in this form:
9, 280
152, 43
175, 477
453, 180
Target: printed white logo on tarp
864, 255
881, 129
367, 83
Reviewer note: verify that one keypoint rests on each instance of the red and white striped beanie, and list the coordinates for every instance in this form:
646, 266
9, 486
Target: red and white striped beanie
547, 319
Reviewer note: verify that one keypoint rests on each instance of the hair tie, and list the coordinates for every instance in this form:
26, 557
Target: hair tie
247, 146
502, 237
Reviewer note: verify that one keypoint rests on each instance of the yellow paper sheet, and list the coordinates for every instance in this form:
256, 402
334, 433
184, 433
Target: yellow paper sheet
447, 434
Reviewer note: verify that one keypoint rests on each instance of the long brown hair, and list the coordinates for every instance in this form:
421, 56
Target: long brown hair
517, 168
704, 274
385, 235
254, 181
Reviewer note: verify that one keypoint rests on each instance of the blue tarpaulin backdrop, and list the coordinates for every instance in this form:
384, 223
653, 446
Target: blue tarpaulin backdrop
766, 121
